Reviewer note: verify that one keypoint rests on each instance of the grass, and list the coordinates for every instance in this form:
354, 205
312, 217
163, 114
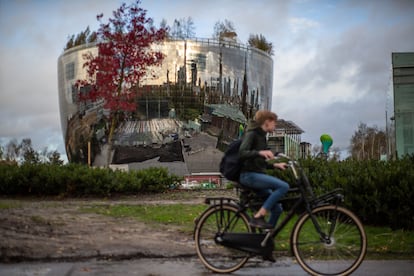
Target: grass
9, 204
382, 241
180, 215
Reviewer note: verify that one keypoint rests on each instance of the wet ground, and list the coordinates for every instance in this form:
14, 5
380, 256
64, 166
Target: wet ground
188, 266
53, 229
55, 237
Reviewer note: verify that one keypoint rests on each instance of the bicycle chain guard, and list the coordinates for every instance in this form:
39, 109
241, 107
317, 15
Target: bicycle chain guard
247, 242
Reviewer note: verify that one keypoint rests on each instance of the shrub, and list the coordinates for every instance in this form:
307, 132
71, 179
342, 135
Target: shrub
380, 193
79, 180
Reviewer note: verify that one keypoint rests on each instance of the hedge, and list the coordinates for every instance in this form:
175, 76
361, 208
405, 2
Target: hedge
80, 180
380, 193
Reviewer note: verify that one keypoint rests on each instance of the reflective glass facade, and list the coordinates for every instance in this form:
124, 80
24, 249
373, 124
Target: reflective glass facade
219, 67
194, 73
403, 79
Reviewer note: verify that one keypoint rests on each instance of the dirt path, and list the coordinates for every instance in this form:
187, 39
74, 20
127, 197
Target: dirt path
34, 229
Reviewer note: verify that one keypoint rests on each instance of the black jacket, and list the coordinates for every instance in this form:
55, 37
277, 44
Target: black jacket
253, 142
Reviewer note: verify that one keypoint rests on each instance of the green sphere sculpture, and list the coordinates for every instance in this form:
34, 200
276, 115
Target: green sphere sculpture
327, 142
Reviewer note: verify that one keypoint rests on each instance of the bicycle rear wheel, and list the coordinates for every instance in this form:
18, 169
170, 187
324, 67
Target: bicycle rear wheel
341, 253
215, 221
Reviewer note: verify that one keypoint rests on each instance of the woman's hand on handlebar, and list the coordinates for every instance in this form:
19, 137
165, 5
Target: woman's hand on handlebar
267, 154
280, 166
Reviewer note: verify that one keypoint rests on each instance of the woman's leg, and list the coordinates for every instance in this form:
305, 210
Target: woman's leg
275, 214
276, 211
280, 188
260, 181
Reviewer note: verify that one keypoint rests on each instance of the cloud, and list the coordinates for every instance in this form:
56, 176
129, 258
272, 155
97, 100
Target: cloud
341, 76
332, 62
298, 24
264, 17
34, 34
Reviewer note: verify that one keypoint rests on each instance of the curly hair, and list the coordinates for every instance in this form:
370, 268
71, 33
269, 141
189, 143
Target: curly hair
262, 115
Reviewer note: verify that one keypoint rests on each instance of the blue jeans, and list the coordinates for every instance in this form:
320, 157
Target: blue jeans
266, 185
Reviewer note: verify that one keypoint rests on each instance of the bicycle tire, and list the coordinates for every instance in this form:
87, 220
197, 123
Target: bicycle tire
215, 257
348, 243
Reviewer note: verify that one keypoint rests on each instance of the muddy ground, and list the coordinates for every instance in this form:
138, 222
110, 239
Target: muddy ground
57, 229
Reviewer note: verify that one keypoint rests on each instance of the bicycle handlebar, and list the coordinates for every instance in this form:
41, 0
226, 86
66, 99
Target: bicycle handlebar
292, 164
282, 155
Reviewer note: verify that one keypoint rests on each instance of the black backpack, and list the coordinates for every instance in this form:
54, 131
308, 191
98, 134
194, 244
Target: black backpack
230, 165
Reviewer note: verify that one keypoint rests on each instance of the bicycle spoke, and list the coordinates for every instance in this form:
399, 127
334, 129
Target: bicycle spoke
341, 252
215, 256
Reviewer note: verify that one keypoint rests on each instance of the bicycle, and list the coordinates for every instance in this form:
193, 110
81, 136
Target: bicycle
327, 239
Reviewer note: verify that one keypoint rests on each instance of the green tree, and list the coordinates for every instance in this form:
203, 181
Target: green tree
31, 156
81, 38
27, 153
54, 158
50, 157
92, 37
70, 43
24, 152
260, 42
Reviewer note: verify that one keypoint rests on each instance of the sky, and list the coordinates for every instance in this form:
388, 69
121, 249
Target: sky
332, 61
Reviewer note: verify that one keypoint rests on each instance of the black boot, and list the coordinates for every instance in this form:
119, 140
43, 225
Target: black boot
260, 223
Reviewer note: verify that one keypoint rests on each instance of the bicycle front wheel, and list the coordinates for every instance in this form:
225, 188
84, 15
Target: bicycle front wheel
215, 221
340, 252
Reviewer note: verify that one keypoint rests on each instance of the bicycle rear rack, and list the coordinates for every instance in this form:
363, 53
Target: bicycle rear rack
220, 200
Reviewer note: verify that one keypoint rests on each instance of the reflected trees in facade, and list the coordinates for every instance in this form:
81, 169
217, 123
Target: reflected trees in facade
193, 73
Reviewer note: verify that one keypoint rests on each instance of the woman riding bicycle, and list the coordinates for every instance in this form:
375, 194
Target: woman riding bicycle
254, 154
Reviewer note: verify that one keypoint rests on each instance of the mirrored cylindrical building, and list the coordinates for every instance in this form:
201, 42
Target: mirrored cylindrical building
194, 74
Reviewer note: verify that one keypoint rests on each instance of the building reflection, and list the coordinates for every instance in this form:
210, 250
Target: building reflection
196, 76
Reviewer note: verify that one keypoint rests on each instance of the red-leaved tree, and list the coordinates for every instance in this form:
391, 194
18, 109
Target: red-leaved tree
123, 59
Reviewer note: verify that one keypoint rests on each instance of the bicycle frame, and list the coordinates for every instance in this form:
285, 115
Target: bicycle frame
324, 231
306, 200
304, 188
320, 201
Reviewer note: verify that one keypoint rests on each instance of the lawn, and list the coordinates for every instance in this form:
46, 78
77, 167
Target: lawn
180, 215
9, 204
382, 241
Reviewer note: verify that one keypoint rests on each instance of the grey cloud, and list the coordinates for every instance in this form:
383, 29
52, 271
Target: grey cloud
339, 119
28, 82
367, 45
248, 16
380, 9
